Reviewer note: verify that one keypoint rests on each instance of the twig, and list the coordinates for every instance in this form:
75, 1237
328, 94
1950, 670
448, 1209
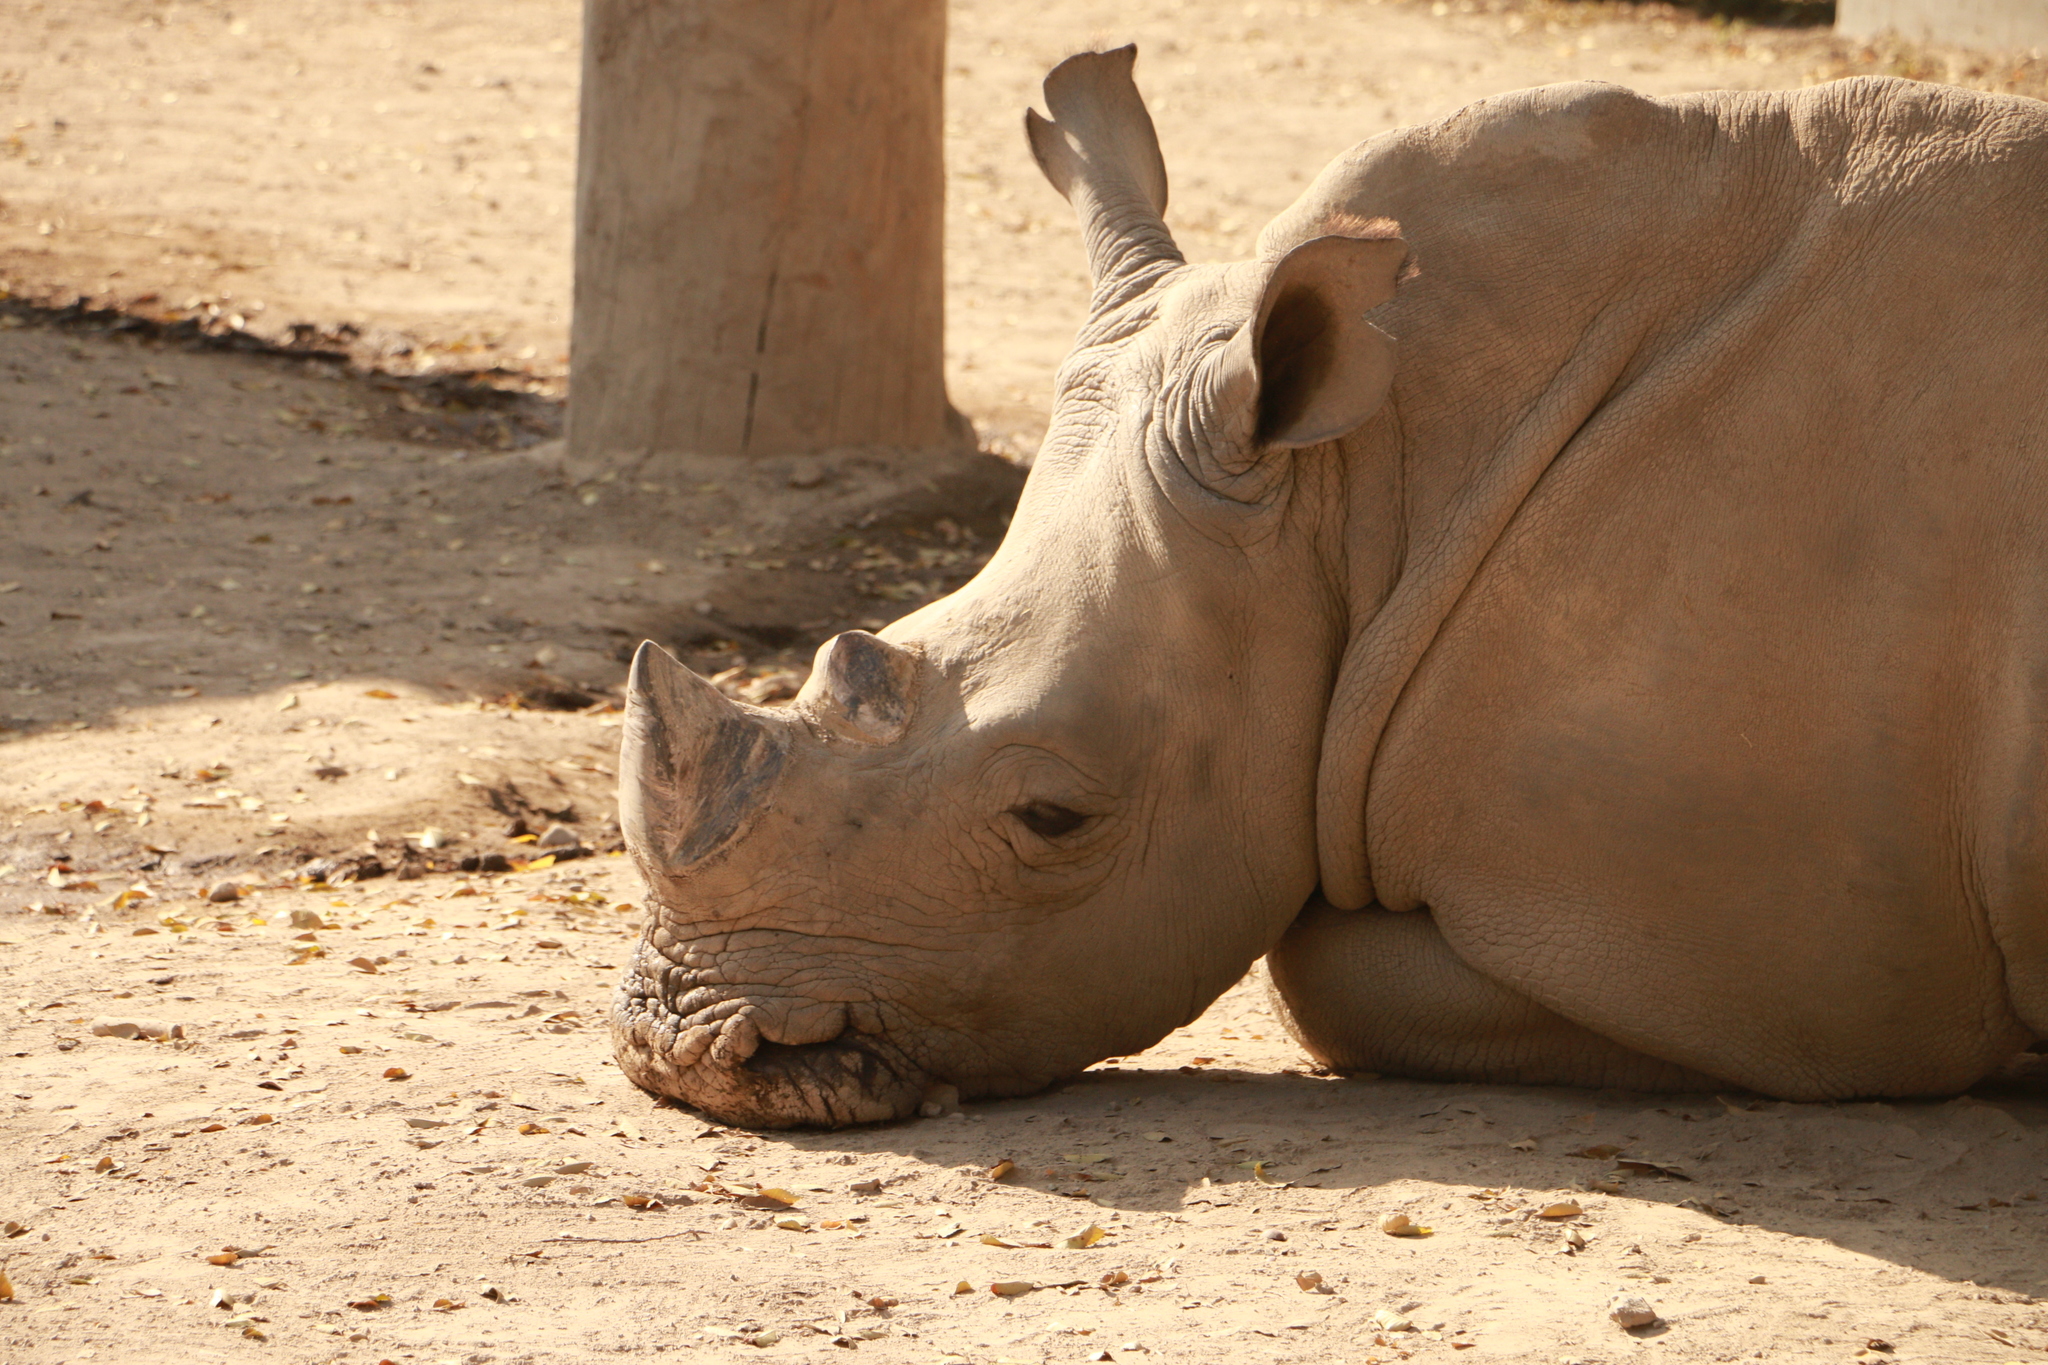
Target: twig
687, 1232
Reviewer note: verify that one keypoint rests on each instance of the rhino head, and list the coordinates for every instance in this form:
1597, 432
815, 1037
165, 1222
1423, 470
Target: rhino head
1047, 819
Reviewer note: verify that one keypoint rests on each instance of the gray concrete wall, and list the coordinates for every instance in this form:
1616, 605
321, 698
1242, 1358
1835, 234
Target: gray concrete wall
1992, 24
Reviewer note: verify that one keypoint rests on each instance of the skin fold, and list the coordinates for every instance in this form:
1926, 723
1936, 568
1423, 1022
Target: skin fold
1570, 601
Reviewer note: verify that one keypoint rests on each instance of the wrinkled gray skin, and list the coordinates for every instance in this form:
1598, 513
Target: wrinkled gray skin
1642, 681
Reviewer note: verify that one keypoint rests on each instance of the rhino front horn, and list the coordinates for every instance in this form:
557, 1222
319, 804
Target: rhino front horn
860, 688
693, 765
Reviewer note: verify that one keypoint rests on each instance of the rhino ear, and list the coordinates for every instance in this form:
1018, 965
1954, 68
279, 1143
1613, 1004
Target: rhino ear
693, 764
1308, 366
861, 688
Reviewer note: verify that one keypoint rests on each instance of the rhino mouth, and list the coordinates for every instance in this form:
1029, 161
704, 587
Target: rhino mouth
728, 1061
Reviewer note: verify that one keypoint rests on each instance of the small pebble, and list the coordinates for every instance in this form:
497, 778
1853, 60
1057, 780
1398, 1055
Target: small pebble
557, 836
1632, 1310
136, 1028
223, 892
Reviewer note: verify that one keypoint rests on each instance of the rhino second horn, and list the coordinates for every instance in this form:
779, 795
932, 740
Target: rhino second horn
693, 764
860, 688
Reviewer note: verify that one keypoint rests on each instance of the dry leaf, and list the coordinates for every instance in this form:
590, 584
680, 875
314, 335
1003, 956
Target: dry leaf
1527, 1144
427, 1123
381, 695
1084, 1158
573, 1168
531, 1129
793, 1223
1567, 1208
374, 1302
866, 1187
538, 1182
397, 1073
1599, 1152
1085, 1238
1401, 1225
348, 1051
1388, 1320
961, 1288
989, 1239
1648, 1167
363, 964
6, 1288
1309, 1280
1001, 1170
224, 1258
1010, 1289
447, 1305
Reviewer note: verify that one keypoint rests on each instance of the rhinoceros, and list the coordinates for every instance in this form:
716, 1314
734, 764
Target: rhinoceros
1576, 603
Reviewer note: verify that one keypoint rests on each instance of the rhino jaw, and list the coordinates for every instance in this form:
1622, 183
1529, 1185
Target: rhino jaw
759, 1062
694, 765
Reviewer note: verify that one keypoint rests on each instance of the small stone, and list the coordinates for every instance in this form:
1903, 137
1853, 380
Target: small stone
1276, 1235
136, 1028
1632, 1310
223, 892
557, 836
307, 919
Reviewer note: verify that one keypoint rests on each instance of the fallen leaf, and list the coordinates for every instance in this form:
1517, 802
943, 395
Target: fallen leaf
1309, 1280
447, 1305
538, 1182
768, 1199
348, 1051
866, 1187
224, 1258
573, 1167
371, 1304
989, 1239
1401, 1225
381, 695
427, 1123
493, 1293
1000, 1171
7, 1288
1010, 1289
397, 1073
794, 1223
531, 1130
1567, 1208
1085, 1238
1649, 1167
1599, 1152
1388, 1320
1527, 1144
363, 964
1084, 1158
961, 1288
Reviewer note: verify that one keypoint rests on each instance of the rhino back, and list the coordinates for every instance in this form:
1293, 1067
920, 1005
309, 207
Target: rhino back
1715, 674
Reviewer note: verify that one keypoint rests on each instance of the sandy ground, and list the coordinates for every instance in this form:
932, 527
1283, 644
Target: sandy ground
353, 604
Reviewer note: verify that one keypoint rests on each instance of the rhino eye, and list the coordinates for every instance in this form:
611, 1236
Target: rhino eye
1047, 820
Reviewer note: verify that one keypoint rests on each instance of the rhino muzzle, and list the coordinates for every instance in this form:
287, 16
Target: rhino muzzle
757, 1059
697, 770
